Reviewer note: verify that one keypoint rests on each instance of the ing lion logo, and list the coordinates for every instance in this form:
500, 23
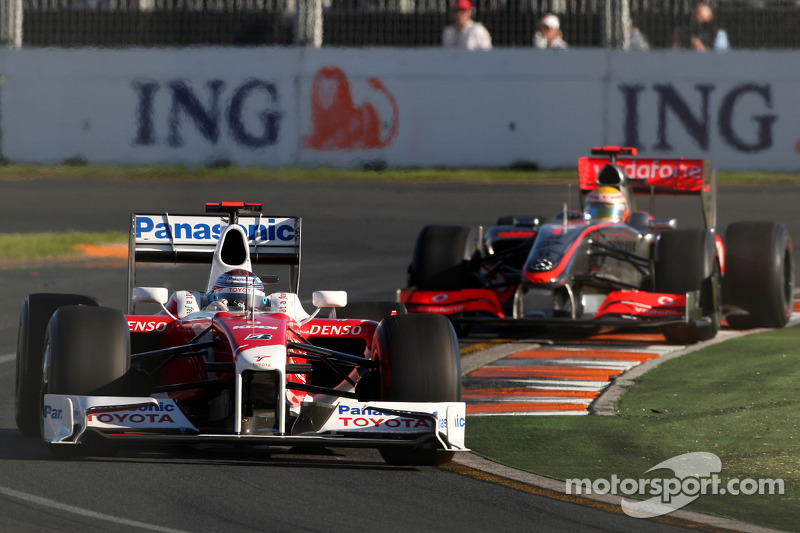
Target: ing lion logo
338, 123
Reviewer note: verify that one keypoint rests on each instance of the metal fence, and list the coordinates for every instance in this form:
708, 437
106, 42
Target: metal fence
771, 24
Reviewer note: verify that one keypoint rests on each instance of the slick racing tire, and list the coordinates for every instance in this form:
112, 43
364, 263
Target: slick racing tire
87, 352
419, 362
442, 257
759, 275
34, 317
686, 262
369, 310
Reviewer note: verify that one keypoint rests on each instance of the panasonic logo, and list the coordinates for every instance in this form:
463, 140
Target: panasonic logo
156, 229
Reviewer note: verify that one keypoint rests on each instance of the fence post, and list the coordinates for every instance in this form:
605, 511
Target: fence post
11, 23
617, 24
308, 23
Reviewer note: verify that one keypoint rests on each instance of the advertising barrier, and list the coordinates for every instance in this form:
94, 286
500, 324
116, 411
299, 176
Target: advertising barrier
276, 107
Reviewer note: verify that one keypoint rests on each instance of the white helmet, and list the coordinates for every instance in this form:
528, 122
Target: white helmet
238, 288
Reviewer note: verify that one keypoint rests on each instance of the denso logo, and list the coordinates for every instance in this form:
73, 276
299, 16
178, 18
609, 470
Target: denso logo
145, 326
155, 228
335, 330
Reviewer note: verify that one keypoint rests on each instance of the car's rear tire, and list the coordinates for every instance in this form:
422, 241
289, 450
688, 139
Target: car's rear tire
419, 362
442, 257
686, 262
34, 317
759, 275
87, 352
369, 310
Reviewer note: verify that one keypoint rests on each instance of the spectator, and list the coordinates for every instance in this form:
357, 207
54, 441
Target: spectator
549, 34
637, 40
465, 32
703, 33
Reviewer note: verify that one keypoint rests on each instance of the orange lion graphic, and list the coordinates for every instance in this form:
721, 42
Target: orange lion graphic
339, 124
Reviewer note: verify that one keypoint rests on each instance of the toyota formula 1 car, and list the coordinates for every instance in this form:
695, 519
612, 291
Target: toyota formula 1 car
234, 364
610, 265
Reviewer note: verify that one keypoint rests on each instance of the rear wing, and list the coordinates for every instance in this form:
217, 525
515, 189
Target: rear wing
651, 176
175, 238
165, 238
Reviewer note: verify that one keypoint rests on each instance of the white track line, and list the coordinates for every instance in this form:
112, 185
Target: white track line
45, 502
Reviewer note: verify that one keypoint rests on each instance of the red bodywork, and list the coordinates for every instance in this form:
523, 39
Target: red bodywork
564, 246
235, 332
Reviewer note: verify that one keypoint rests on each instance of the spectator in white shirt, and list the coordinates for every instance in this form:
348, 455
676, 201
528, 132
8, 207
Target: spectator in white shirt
465, 32
549, 34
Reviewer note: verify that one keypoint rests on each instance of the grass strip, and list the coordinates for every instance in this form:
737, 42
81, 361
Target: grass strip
375, 170
737, 399
21, 246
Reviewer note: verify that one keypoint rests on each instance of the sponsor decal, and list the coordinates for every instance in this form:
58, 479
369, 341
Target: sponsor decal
335, 330
666, 300
516, 234
693, 112
259, 337
265, 361
146, 416
147, 326
442, 310
248, 114
189, 304
255, 326
283, 302
439, 298
337, 123
130, 418
354, 417
193, 229
52, 413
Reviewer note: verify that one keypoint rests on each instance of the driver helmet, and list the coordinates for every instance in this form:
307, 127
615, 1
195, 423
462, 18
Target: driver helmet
237, 288
606, 203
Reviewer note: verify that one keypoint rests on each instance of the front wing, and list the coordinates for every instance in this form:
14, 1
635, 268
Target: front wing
344, 422
620, 309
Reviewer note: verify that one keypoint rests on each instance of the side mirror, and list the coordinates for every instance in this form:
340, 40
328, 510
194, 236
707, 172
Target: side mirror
322, 299
150, 295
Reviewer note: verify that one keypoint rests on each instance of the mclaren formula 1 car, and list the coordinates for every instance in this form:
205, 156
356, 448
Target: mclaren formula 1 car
609, 265
233, 364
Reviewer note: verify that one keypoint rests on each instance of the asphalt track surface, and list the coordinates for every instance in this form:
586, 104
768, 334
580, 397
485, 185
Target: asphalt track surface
357, 237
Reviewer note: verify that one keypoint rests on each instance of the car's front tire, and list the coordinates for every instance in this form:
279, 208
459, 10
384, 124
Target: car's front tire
37, 309
759, 275
687, 262
442, 257
87, 352
419, 362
